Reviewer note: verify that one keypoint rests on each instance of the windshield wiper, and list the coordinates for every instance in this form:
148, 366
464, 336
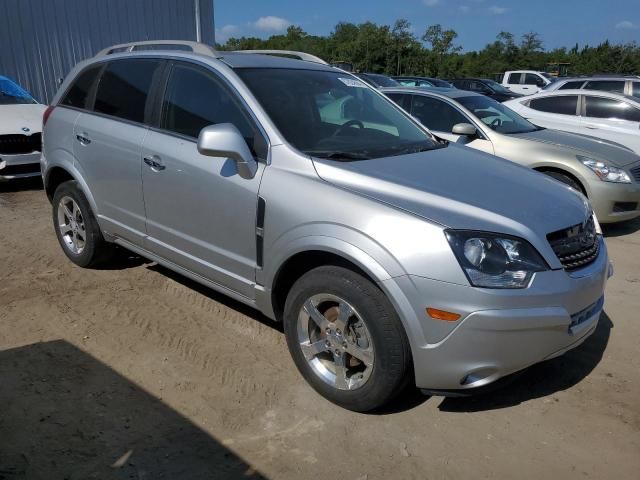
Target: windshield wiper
337, 155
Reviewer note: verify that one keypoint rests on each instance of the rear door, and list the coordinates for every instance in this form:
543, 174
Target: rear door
558, 112
612, 119
513, 82
108, 142
531, 83
201, 215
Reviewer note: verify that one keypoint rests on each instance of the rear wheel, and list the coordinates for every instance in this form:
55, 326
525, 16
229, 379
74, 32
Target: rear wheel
346, 339
77, 228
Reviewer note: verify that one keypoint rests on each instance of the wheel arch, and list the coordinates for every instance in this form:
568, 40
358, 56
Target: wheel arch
564, 171
62, 170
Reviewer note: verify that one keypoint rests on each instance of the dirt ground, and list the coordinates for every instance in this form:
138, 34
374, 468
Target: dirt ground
133, 372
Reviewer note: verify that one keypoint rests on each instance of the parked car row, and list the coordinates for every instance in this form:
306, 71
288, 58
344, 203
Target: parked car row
20, 132
607, 173
389, 238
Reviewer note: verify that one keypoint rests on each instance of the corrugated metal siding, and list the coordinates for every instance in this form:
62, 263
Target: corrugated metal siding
41, 40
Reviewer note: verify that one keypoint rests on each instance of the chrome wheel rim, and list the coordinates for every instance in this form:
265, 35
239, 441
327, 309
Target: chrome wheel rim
71, 225
335, 341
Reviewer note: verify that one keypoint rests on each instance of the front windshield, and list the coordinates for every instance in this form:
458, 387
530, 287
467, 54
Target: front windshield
334, 115
13, 94
497, 87
496, 116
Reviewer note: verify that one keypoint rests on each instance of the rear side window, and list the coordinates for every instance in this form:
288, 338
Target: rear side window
598, 107
571, 85
401, 99
124, 87
436, 114
514, 79
606, 86
563, 105
635, 89
78, 94
195, 99
532, 79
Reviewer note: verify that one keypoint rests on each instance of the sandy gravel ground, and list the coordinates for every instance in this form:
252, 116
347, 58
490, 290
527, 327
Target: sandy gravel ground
133, 372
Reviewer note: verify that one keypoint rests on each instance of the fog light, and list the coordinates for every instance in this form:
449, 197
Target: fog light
442, 315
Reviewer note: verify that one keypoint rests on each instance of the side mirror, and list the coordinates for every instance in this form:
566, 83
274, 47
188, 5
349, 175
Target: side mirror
225, 140
464, 129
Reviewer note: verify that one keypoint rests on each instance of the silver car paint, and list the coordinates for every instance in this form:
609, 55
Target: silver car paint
386, 216
554, 149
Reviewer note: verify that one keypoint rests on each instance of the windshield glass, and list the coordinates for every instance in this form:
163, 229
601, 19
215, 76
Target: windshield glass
497, 87
12, 94
496, 116
334, 115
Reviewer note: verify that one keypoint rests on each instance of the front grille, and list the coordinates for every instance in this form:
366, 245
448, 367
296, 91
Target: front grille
576, 246
19, 144
635, 173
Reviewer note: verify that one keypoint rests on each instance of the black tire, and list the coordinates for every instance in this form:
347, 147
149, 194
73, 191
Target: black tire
391, 368
567, 180
96, 250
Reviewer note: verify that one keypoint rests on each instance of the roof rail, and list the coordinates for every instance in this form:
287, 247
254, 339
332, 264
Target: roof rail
182, 45
307, 57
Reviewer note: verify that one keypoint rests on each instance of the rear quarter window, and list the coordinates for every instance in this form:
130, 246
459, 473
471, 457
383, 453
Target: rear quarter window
78, 94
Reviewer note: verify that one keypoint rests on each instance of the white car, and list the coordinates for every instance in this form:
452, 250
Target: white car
20, 132
605, 115
526, 82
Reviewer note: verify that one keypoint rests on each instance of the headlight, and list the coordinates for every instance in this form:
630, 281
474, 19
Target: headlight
495, 261
605, 172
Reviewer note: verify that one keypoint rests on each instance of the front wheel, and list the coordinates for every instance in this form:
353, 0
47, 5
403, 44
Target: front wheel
346, 338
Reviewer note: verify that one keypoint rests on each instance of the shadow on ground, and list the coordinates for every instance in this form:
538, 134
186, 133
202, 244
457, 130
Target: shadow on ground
621, 229
543, 379
66, 415
21, 184
218, 297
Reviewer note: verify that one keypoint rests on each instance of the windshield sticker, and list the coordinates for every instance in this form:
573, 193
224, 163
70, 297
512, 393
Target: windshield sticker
352, 82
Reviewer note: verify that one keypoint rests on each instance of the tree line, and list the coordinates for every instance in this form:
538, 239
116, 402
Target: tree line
397, 50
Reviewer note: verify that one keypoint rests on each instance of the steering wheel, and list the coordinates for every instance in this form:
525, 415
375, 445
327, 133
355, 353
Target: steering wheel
496, 123
346, 125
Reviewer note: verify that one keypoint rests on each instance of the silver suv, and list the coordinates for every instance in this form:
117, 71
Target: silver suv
391, 257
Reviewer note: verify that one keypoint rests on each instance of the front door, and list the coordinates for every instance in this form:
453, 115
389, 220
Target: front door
440, 117
201, 215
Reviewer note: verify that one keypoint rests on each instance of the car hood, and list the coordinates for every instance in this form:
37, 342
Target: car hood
14, 118
462, 188
592, 147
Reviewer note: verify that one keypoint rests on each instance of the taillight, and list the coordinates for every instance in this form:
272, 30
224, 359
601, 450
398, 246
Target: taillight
47, 113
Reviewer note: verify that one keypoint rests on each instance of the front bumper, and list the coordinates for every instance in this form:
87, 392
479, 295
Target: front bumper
607, 197
503, 331
19, 166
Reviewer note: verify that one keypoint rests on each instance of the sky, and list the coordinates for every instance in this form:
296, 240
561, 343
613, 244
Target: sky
559, 22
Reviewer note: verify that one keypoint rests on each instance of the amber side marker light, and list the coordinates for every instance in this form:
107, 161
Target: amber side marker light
442, 315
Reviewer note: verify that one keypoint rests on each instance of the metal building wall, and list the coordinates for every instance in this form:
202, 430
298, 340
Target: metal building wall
41, 40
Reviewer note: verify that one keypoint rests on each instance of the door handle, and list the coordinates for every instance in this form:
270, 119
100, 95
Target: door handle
591, 127
154, 162
83, 139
